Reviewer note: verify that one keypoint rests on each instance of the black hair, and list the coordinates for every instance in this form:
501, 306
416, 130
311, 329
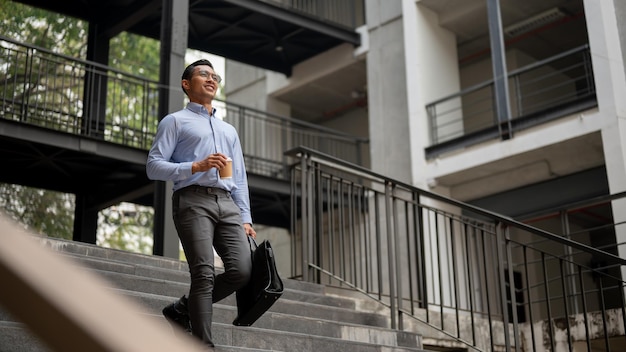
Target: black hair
189, 69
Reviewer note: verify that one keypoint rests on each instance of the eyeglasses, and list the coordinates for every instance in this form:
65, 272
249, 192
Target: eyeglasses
213, 76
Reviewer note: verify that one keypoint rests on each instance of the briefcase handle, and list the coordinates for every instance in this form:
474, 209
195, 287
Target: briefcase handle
252, 242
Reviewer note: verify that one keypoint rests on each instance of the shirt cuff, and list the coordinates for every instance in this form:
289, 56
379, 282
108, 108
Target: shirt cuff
246, 218
185, 169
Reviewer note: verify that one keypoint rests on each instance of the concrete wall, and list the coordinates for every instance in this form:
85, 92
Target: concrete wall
607, 40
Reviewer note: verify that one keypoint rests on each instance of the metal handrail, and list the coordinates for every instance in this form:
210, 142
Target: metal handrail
478, 278
362, 172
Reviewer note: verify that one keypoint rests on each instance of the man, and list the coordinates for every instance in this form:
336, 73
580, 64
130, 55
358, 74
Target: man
190, 147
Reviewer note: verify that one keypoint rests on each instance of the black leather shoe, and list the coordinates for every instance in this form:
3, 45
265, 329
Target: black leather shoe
178, 315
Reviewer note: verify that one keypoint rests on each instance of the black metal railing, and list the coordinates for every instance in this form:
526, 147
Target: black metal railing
50, 90
55, 91
563, 83
346, 13
265, 137
477, 279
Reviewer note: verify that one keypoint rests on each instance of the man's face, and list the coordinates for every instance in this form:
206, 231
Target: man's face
202, 86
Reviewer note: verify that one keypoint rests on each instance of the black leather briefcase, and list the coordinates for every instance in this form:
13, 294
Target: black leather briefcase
264, 288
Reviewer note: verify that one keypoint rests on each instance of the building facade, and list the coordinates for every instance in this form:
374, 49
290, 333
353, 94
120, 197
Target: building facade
515, 107
421, 88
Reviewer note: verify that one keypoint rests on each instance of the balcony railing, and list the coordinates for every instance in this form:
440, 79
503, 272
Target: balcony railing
346, 13
265, 137
539, 92
481, 281
47, 89
50, 90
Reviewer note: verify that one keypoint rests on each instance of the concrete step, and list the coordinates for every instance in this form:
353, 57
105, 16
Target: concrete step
280, 340
140, 264
147, 279
296, 323
93, 251
175, 270
284, 334
308, 317
292, 302
295, 289
14, 337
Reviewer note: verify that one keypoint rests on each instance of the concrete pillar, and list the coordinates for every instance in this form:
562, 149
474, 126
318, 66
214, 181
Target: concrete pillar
607, 38
387, 90
174, 27
85, 220
95, 99
411, 61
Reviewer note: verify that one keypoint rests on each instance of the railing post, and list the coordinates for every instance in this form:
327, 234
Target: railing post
519, 98
303, 219
398, 264
30, 56
570, 269
512, 289
284, 143
502, 265
420, 255
307, 216
390, 253
145, 116
241, 128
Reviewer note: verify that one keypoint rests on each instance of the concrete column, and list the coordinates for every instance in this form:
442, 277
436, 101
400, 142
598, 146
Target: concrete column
390, 146
411, 61
607, 38
95, 99
432, 72
85, 220
174, 27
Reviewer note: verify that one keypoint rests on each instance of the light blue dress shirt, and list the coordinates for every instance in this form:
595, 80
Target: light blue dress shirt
192, 134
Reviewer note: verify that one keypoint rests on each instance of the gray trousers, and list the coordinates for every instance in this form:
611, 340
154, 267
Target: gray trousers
207, 218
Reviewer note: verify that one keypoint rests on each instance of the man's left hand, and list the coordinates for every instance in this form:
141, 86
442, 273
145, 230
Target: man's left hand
249, 230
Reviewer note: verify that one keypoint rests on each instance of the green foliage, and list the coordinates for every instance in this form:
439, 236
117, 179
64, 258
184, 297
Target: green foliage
44, 212
135, 54
126, 226
56, 32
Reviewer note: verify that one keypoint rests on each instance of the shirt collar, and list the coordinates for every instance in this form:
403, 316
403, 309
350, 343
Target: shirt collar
200, 109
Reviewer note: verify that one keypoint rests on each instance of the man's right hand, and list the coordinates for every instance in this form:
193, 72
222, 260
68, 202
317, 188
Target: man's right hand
217, 160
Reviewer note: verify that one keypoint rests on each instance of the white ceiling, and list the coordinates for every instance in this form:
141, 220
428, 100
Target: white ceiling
468, 20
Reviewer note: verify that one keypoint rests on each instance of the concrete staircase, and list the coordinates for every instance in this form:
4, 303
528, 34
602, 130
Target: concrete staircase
307, 317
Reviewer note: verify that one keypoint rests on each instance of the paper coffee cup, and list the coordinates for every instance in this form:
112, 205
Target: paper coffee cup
227, 171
